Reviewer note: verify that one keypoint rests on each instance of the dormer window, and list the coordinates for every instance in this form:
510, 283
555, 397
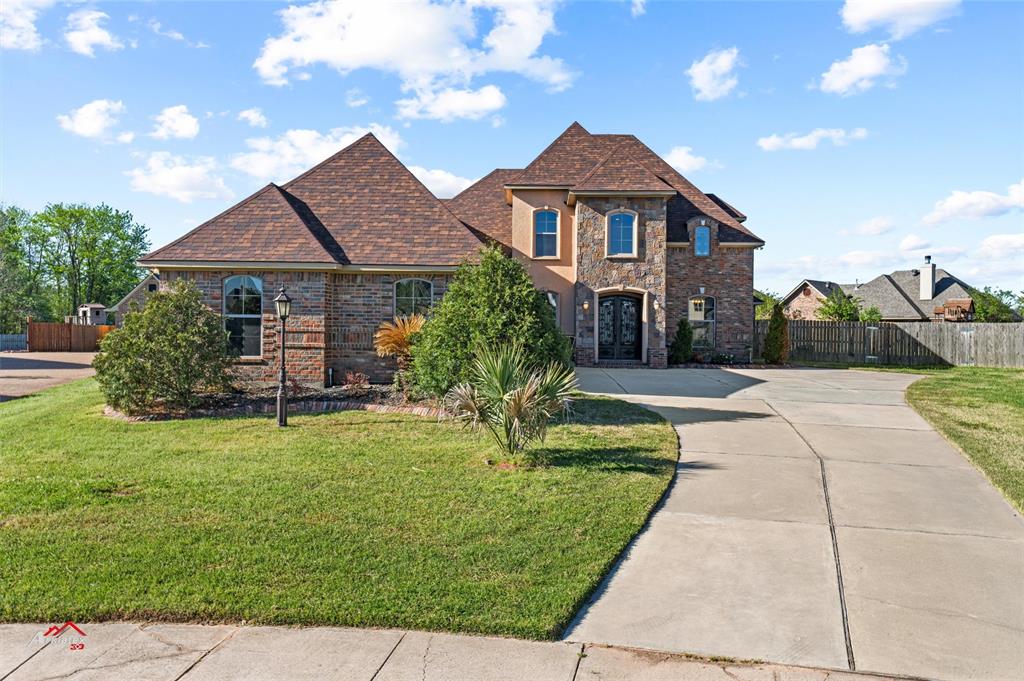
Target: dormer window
702, 240
621, 235
545, 234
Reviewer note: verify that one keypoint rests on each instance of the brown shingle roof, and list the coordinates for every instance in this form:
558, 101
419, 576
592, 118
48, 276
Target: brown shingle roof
566, 160
618, 171
262, 228
482, 205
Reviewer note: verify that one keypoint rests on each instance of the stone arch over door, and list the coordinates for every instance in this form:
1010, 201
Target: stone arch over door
622, 312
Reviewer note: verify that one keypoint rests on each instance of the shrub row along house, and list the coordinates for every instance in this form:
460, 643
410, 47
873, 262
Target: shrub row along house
622, 244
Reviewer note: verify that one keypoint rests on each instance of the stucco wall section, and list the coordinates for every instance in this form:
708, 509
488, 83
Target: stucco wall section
645, 272
548, 274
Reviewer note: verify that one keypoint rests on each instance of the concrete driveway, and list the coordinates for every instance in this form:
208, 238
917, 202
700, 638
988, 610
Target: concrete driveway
815, 519
24, 373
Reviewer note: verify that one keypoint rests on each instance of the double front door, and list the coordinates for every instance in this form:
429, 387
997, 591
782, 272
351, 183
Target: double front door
619, 332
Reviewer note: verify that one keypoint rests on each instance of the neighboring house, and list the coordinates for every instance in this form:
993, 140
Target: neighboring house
917, 295
89, 314
623, 245
136, 299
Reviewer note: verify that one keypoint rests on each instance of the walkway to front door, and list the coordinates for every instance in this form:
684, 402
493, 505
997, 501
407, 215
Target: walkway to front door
815, 519
619, 333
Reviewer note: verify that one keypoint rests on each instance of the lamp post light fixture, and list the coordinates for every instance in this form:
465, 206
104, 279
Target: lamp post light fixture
284, 307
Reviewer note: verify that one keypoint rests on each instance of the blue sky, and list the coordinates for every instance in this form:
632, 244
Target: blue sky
857, 137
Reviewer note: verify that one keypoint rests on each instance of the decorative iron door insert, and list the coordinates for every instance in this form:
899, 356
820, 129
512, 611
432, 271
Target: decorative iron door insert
619, 334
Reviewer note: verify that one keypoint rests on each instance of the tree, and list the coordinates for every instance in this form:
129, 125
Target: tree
487, 304
164, 354
871, 314
838, 307
681, 349
776, 342
21, 292
769, 300
994, 305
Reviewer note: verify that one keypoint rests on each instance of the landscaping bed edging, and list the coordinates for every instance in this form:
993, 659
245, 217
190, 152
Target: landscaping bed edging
266, 408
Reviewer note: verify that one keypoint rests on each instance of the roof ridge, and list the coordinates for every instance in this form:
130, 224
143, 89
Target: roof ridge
330, 158
601, 162
323, 237
899, 289
574, 124
195, 229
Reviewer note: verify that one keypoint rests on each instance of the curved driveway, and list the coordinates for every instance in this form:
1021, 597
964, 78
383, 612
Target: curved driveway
815, 519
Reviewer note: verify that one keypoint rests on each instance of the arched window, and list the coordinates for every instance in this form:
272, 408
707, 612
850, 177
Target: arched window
413, 296
243, 314
702, 240
545, 234
621, 236
702, 319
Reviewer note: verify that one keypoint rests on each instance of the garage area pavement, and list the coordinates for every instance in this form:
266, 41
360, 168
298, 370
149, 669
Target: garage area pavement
817, 520
24, 373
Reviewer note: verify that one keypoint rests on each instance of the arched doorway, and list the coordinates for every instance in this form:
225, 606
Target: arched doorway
619, 330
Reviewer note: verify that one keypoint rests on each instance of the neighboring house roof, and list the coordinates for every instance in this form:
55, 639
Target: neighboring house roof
93, 305
361, 206
897, 295
151, 279
482, 205
822, 286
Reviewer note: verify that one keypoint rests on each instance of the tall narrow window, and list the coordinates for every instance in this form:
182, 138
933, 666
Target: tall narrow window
413, 296
243, 314
621, 234
702, 319
553, 301
702, 241
545, 234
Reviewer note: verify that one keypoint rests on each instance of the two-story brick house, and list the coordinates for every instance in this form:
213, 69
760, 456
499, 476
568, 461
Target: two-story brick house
623, 245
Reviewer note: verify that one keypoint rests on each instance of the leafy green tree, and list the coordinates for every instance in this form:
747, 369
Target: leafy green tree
871, 314
776, 342
487, 304
994, 305
681, 349
769, 299
164, 354
838, 307
22, 290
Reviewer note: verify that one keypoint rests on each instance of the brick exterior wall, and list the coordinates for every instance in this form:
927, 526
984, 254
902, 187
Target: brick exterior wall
727, 274
645, 272
134, 301
803, 306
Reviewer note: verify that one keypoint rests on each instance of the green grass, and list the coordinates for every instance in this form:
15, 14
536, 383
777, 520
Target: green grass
350, 518
981, 411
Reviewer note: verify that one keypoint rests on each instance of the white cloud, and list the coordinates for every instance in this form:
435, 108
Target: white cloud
167, 175
276, 160
93, 120
175, 121
433, 48
792, 140
442, 183
451, 104
860, 71
874, 227
913, 242
126, 137
253, 117
171, 33
84, 33
900, 18
1002, 247
961, 205
712, 77
355, 98
638, 7
18, 23
873, 259
684, 160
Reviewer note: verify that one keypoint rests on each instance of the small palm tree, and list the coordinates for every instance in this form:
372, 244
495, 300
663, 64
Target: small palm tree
394, 339
511, 400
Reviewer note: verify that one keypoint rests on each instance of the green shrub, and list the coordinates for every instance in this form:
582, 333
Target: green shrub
511, 399
681, 349
838, 307
487, 304
164, 354
776, 343
871, 314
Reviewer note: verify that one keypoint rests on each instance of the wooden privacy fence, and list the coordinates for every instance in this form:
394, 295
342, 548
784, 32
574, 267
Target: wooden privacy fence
902, 343
56, 337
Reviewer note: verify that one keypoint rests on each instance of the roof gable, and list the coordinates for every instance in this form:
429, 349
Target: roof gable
619, 171
261, 228
566, 160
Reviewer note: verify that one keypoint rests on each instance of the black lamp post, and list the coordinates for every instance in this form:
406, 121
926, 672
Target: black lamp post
284, 307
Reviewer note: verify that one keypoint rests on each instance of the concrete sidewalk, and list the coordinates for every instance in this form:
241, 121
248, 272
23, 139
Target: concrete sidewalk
24, 373
169, 652
815, 519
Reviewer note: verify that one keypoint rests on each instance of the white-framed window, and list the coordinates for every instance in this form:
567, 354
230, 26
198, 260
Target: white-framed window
701, 314
552, 298
620, 234
545, 233
243, 314
702, 240
413, 296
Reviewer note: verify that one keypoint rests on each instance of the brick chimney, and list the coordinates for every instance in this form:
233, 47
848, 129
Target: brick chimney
928, 279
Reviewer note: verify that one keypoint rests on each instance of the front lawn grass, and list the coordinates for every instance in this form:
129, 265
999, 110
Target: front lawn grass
350, 518
980, 410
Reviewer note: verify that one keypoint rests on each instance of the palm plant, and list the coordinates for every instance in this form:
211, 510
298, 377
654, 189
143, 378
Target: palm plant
394, 339
510, 399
